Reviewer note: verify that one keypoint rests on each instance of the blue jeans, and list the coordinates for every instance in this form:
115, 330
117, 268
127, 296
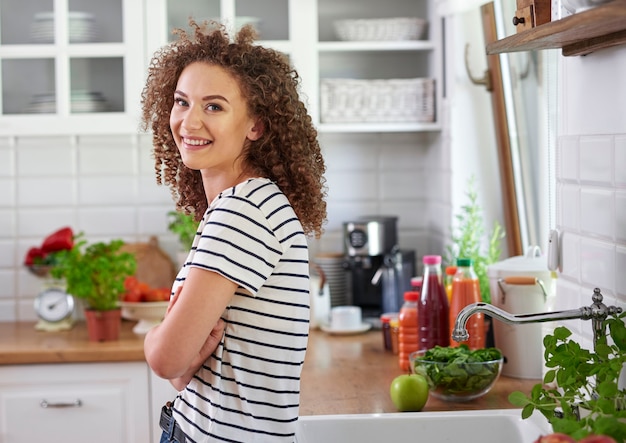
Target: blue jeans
171, 431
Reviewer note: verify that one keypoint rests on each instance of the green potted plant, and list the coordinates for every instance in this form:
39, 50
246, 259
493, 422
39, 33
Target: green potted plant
184, 226
468, 240
580, 394
96, 273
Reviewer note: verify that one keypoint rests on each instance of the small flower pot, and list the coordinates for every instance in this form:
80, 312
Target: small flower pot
103, 325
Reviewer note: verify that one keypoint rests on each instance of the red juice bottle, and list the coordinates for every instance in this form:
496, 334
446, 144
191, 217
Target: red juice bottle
433, 310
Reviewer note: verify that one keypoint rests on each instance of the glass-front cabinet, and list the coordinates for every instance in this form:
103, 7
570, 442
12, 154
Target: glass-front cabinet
78, 66
337, 69
70, 66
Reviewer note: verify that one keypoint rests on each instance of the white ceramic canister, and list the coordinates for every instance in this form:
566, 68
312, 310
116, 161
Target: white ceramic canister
522, 285
320, 297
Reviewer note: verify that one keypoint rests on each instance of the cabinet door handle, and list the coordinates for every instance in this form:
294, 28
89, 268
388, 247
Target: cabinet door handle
75, 404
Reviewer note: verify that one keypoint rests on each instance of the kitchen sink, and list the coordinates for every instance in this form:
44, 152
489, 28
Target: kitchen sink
484, 426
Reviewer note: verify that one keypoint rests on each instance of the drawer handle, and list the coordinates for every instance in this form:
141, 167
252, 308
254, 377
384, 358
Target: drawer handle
75, 404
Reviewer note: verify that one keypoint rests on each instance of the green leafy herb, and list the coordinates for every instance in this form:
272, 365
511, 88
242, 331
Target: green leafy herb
458, 371
184, 226
95, 272
468, 238
586, 399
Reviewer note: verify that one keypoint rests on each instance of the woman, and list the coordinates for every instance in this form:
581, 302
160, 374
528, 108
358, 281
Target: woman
238, 150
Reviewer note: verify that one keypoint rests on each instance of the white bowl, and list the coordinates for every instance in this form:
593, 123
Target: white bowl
575, 6
148, 314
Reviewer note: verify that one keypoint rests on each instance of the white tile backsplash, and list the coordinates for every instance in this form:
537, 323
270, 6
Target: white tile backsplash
107, 221
34, 223
46, 191
107, 160
597, 264
52, 160
596, 153
620, 216
569, 206
7, 164
591, 164
7, 282
105, 187
104, 191
597, 215
567, 159
7, 192
619, 165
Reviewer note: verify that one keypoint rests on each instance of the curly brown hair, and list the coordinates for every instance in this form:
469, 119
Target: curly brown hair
288, 152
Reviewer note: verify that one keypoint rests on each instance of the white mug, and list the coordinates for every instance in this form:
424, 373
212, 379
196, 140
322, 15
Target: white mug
344, 318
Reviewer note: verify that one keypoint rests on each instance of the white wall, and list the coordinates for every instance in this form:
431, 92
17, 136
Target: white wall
591, 181
105, 186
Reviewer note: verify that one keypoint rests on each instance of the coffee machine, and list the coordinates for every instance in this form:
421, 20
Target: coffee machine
380, 272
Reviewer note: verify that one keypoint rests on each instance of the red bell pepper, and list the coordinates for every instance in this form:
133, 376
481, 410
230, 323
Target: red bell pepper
58, 241
34, 256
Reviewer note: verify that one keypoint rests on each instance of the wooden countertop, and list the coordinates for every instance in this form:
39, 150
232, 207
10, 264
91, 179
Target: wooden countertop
341, 374
20, 343
352, 374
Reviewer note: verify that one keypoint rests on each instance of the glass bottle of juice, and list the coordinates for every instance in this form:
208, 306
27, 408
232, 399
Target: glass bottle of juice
407, 329
466, 290
450, 271
433, 310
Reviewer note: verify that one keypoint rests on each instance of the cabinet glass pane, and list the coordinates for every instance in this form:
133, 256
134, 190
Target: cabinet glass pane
271, 17
26, 22
374, 65
329, 12
97, 85
178, 13
28, 86
95, 21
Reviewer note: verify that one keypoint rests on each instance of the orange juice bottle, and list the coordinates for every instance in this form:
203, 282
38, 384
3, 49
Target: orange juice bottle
466, 290
407, 329
450, 271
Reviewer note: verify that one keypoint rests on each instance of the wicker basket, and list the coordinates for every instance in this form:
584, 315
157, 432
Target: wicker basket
393, 100
382, 29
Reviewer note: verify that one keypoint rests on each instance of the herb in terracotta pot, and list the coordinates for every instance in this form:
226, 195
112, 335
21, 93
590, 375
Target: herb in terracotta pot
96, 272
184, 226
588, 399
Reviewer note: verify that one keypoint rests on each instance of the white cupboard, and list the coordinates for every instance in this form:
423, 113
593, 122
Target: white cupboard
81, 402
78, 66
75, 403
70, 66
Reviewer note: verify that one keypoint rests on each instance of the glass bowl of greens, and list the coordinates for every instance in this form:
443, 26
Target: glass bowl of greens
458, 373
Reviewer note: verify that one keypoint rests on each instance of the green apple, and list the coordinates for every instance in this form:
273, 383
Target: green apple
409, 392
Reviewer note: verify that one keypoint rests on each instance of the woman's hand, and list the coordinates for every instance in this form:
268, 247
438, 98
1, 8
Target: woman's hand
210, 345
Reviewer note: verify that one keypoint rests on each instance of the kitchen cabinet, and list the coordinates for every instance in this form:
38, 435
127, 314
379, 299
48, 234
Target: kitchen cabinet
78, 66
82, 402
70, 66
578, 34
304, 30
374, 60
91, 402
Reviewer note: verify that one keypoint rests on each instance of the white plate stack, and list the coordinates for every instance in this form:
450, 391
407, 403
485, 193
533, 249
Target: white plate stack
81, 101
81, 27
336, 276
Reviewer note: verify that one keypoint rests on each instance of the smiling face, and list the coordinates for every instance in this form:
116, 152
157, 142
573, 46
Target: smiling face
210, 121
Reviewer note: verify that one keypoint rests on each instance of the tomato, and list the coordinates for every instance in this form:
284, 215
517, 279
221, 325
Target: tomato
132, 296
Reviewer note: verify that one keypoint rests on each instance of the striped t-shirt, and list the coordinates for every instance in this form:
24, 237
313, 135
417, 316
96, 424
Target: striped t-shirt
249, 389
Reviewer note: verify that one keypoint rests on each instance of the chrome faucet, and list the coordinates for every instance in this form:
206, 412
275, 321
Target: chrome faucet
597, 312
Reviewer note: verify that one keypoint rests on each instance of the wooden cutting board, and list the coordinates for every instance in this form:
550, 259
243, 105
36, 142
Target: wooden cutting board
154, 266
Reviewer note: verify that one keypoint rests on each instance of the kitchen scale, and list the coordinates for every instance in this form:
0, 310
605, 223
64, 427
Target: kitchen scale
54, 307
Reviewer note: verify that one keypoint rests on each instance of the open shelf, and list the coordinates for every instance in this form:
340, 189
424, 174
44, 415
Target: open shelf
579, 34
